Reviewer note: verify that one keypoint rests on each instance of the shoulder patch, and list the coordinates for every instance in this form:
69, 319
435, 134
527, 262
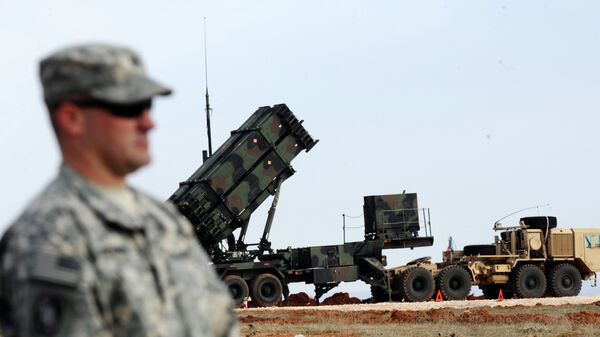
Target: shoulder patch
59, 269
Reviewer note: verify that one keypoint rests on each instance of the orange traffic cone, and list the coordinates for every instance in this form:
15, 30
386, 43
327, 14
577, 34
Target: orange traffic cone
500, 296
439, 298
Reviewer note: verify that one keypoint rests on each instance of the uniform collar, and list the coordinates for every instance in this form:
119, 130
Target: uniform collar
102, 206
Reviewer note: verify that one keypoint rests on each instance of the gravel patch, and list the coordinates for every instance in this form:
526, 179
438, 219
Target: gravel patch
423, 306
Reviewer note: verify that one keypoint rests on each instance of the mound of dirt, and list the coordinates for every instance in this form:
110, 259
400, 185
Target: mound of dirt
300, 300
341, 298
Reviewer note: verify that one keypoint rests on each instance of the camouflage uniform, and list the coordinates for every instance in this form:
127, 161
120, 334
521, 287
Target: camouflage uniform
76, 263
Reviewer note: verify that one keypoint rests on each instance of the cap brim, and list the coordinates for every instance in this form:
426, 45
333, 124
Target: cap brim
133, 90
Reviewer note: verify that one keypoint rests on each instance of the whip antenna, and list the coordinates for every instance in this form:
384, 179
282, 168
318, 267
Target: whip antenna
497, 223
208, 109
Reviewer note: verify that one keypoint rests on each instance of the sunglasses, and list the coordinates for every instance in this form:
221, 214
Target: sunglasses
119, 110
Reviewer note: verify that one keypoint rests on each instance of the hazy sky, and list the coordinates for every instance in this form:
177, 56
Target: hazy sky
481, 107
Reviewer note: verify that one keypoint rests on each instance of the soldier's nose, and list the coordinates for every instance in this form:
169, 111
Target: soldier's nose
145, 121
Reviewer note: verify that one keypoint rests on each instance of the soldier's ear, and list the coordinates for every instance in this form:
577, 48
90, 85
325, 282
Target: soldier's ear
69, 119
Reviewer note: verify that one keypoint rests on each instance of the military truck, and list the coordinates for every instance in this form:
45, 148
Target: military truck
220, 197
532, 259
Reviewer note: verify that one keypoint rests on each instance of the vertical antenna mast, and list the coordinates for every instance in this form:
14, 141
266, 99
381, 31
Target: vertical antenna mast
208, 109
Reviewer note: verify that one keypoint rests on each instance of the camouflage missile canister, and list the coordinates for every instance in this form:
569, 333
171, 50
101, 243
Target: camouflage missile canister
222, 194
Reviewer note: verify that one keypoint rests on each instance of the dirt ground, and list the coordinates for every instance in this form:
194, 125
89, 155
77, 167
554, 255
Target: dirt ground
570, 316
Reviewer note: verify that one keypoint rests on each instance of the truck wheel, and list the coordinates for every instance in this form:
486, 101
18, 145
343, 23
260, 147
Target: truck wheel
454, 282
565, 280
416, 284
266, 290
529, 281
479, 250
238, 288
540, 222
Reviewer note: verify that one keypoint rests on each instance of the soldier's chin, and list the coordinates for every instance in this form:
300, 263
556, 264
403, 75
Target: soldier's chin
138, 164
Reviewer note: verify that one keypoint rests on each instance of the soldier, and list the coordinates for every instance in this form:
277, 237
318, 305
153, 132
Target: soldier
91, 256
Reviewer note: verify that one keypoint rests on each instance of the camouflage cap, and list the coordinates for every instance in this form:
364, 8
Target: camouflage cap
104, 72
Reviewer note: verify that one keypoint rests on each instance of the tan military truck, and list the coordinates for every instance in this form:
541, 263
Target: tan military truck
532, 259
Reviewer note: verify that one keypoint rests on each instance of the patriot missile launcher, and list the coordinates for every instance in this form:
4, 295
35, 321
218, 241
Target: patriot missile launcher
220, 197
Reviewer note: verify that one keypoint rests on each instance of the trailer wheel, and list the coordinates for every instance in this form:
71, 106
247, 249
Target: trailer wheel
565, 280
454, 282
480, 250
529, 281
238, 288
416, 284
266, 290
379, 294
